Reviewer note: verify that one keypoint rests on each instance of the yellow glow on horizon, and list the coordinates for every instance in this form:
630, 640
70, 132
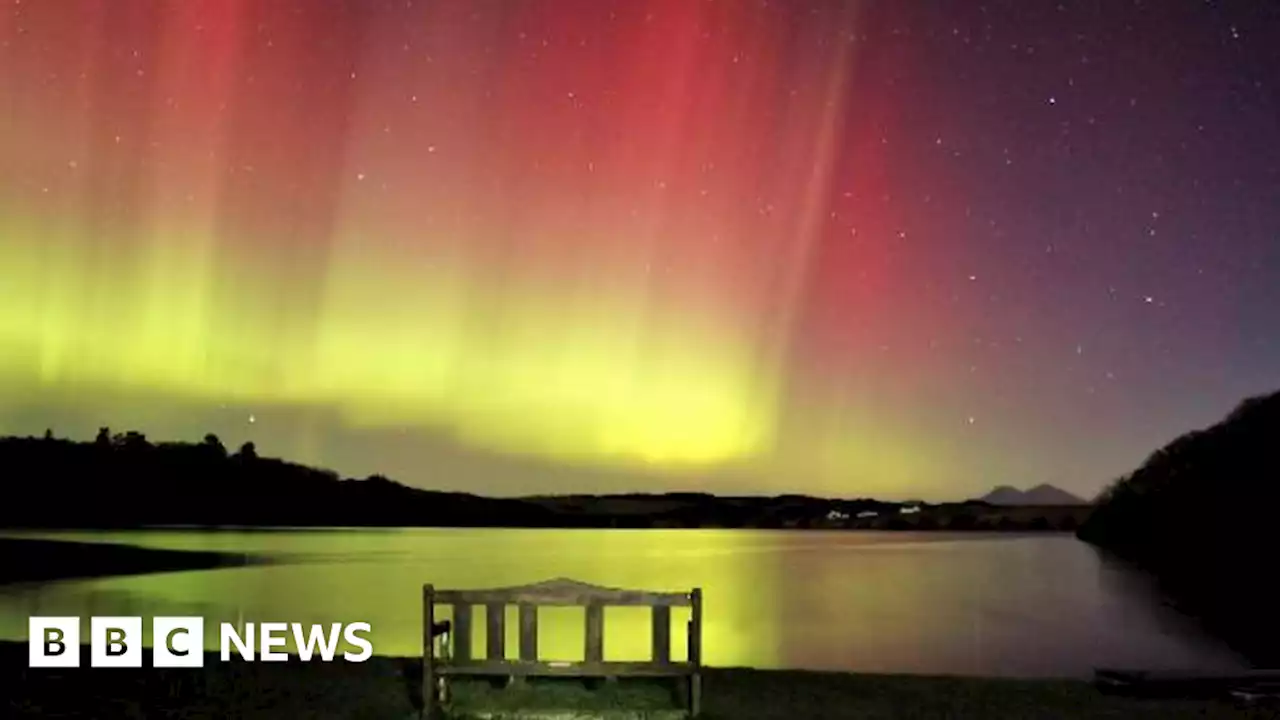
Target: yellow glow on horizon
516, 367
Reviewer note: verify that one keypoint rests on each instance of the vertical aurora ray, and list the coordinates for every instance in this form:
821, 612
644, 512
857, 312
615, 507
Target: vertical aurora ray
176, 282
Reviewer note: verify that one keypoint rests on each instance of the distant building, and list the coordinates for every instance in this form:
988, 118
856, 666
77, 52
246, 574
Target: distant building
837, 515
867, 514
909, 509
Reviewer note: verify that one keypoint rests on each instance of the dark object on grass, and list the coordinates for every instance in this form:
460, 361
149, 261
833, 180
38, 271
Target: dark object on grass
1170, 684
456, 659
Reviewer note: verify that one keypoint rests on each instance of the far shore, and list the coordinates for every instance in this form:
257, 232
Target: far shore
385, 687
123, 480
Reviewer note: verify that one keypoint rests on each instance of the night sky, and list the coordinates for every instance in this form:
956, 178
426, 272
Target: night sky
901, 249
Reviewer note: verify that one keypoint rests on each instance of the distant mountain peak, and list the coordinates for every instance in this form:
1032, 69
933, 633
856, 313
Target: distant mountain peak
1004, 495
1042, 494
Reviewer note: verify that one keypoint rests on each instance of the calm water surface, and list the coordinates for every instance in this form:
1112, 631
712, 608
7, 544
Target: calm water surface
1044, 605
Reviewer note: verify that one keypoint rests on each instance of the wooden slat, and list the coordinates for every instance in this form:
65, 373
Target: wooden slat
495, 632
595, 633
662, 634
528, 632
695, 652
563, 592
521, 668
428, 653
461, 631
695, 628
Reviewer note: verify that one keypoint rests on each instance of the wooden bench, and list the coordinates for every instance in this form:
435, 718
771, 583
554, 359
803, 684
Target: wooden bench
561, 592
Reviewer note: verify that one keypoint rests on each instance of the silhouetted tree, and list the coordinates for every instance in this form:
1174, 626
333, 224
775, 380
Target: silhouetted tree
212, 442
133, 440
48, 434
248, 452
104, 437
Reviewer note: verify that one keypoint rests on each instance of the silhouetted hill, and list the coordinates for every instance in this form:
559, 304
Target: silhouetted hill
124, 480
1003, 495
1198, 514
1043, 494
1046, 494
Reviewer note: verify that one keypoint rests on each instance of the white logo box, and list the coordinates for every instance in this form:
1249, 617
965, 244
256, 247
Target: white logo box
54, 642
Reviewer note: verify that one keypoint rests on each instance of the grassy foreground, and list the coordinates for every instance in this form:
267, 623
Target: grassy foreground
381, 689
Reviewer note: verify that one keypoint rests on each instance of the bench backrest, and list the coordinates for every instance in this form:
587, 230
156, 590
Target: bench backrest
561, 592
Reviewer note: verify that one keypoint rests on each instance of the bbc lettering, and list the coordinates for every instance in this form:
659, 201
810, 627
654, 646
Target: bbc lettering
178, 642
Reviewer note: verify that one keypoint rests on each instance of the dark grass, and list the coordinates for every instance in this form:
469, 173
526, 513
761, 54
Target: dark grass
383, 688
648, 698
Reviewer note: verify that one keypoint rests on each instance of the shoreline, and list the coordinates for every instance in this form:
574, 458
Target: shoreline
36, 560
384, 687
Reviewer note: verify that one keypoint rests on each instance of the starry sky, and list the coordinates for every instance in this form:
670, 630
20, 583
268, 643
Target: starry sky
900, 249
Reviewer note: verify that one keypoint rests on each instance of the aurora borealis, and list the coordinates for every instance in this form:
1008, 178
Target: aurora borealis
518, 246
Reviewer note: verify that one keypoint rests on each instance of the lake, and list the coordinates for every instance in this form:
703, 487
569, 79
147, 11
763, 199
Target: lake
923, 603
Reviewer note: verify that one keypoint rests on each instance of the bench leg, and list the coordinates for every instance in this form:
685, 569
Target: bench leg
695, 695
435, 695
428, 691
430, 708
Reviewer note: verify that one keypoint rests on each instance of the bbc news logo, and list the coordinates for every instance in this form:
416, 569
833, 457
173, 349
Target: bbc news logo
178, 642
